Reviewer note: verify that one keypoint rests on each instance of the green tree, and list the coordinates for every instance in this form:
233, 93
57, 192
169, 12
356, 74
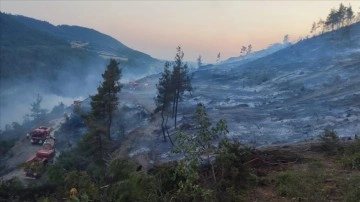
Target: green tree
349, 15
105, 102
242, 50
249, 49
199, 61
321, 24
245, 50
128, 184
198, 147
181, 81
96, 144
313, 28
218, 57
164, 97
37, 113
337, 18
286, 39
331, 19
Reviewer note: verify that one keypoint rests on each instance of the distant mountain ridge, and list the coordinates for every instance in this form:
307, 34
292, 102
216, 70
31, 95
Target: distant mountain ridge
19, 31
67, 61
292, 94
72, 33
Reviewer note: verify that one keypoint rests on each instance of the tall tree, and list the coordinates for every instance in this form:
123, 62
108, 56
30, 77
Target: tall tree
349, 15
181, 81
96, 143
313, 28
96, 147
321, 23
242, 50
218, 57
105, 102
37, 113
164, 97
286, 39
341, 15
249, 49
199, 61
245, 50
331, 19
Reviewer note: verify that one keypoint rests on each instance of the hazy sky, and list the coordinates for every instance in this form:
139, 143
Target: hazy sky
200, 27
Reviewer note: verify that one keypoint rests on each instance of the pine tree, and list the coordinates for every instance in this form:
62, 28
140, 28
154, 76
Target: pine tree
105, 102
97, 142
349, 15
243, 50
37, 113
313, 28
321, 23
164, 97
249, 49
218, 57
331, 20
96, 146
286, 39
180, 80
341, 15
199, 61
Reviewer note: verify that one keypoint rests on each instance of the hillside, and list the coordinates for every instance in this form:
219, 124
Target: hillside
48, 49
38, 57
276, 104
289, 96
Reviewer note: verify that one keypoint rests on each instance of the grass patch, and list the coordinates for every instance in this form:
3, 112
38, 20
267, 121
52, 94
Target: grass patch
351, 159
306, 183
352, 193
330, 142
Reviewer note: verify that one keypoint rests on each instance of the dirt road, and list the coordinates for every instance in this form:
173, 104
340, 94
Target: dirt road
24, 150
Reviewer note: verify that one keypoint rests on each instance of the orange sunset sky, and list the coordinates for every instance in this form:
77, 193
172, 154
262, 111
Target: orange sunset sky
200, 27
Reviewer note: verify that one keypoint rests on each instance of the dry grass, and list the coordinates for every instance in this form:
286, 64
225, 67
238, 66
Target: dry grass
302, 172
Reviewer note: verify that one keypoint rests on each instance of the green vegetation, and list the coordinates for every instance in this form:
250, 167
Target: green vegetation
316, 181
305, 184
330, 142
323, 171
37, 113
336, 19
351, 159
171, 88
180, 81
164, 98
209, 166
96, 144
105, 102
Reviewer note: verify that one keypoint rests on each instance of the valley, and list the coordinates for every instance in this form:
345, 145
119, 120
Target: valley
256, 127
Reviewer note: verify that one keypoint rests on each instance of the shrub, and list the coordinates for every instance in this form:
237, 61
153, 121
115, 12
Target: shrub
305, 184
233, 175
330, 142
351, 158
353, 190
9, 189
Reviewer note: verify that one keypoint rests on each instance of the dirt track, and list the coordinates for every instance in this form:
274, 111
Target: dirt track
24, 150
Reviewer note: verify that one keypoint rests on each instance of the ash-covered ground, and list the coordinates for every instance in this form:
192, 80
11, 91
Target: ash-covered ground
287, 96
